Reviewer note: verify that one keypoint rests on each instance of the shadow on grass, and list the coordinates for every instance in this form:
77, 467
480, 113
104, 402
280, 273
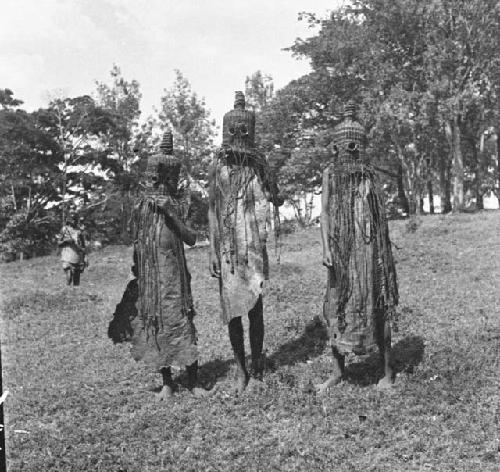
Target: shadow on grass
210, 372
311, 343
208, 375
406, 354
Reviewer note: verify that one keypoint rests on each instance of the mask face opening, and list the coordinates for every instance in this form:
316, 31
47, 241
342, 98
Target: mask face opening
162, 176
243, 130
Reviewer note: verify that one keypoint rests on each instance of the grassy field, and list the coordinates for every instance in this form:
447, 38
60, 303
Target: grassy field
79, 403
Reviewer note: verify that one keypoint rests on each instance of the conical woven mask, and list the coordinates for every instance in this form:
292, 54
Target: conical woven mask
162, 170
238, 127
349, 138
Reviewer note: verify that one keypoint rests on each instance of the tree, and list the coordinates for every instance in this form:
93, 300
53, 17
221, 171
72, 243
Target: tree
77, 125
294, 134
259, 90
121, 99
462, 63
48, 159
422, 64
188, 117
27, 159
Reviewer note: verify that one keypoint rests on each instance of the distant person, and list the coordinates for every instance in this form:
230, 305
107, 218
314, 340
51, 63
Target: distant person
362, 291
240, 188
72, 243
156, 311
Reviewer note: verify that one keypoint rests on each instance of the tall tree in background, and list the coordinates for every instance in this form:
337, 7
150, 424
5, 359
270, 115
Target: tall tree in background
259, 90
77, 125
122, 99
462, 63
189, 119
50, 157
28, 160
426, 62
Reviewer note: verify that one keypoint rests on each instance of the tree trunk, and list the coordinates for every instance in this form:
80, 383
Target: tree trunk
498, 159
403, 200
457, 166
14, 200
479, 162
430, 193
412, 203
445, 185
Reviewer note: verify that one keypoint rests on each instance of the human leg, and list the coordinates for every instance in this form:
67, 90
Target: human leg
256, 328
76, 276
238, 344
69, 276
167, 390
337, 374
384, 346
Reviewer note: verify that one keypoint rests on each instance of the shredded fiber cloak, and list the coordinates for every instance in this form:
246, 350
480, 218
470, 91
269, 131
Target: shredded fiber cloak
362, 290
163, 332
242, 211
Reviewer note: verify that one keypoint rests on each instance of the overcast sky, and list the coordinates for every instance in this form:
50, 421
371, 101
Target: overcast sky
52, 45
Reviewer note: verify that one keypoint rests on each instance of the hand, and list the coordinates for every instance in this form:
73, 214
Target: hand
279, 200
214, 265
327, 258
161, 201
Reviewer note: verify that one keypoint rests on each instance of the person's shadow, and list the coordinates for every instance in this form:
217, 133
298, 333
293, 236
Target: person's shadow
210, 372
311, 343
406, 355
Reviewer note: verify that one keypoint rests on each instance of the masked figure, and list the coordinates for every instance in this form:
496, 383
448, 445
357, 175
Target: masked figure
72, 244
156, 312
362, 290
241, 188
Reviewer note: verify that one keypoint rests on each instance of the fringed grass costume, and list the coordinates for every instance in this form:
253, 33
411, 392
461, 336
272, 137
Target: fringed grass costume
163, 332
362, 290
242, 213
241, 189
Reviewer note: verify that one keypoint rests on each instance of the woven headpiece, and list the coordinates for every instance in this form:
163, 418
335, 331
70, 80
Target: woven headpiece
162, 167
238, 127
349, 138
167, 143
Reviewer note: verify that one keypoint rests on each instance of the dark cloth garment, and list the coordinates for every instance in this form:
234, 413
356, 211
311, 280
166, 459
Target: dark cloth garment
242, 212
362, 290
162, 329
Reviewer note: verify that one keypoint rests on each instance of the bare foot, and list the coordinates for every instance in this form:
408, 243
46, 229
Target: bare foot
322, 389
385, 383
241, 384
166, 394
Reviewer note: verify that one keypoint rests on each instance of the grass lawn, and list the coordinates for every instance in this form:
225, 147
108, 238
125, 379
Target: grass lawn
79, 403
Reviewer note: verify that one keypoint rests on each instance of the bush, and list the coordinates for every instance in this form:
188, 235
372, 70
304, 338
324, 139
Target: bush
29, 236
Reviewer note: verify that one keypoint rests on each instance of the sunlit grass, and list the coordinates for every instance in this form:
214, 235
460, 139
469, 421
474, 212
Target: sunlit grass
77, 402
